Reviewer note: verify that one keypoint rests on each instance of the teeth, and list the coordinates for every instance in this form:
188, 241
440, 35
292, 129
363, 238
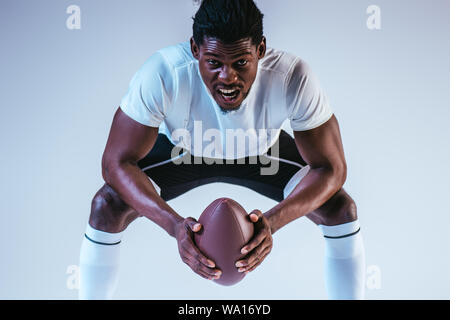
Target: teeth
227, 91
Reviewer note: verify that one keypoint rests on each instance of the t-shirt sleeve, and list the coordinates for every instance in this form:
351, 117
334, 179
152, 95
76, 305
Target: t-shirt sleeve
150, 92
307, 103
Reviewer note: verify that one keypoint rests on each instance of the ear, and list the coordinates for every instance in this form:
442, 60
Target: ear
261, 49
195, 49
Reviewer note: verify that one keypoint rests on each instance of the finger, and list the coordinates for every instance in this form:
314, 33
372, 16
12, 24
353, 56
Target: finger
257, 262
191, 249
188, 262
188, 244
255, 215
254, 242
193, 224
191, 264
253, 256
196, 227
201, 269
196, 255
207, 275
203, 274
207, 263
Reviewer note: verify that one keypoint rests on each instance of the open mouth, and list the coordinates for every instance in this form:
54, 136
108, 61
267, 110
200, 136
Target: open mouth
229, 96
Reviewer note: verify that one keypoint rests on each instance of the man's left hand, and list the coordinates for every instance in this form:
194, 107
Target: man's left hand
259, 246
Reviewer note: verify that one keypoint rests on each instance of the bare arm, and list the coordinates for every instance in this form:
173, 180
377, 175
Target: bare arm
128, 142
322, 149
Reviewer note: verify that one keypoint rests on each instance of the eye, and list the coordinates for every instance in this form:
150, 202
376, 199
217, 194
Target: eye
212, 62
241, 62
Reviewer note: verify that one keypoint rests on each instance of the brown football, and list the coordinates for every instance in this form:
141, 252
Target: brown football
226, 228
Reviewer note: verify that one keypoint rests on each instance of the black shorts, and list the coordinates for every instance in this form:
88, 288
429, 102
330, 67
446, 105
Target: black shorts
175, 179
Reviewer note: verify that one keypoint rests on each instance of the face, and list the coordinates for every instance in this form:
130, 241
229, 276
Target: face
228, 70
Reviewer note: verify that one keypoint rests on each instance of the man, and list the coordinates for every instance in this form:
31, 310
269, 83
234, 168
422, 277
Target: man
224, 80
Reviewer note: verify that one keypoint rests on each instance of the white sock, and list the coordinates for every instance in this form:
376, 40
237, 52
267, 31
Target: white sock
99, 264
345, 264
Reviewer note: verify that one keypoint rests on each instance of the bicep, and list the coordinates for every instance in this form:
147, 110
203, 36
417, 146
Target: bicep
128, 140
322, 147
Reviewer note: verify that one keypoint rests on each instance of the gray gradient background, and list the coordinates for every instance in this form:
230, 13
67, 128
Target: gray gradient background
389, 89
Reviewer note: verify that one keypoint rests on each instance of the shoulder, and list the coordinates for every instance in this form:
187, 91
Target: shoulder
166, 65
281, 62
178, 55
166, 60
291, 67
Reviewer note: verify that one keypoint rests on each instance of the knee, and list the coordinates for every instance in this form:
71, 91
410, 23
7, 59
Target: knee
109, 213
341, 208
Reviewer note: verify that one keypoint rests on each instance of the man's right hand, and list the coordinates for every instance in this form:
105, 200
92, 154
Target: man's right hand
190, 253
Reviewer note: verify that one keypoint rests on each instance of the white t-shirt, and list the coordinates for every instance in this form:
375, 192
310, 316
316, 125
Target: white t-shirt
168, 92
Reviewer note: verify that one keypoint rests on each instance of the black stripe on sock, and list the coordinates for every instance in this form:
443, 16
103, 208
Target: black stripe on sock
344, 236
97, 242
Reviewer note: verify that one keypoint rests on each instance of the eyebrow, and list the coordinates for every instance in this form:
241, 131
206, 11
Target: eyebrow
233, 56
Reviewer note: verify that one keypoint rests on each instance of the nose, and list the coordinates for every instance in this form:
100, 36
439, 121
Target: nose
227, 75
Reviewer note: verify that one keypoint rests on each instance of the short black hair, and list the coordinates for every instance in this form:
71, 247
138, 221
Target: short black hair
228, 21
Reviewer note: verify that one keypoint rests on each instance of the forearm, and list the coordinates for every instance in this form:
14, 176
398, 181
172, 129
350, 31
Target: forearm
137, 191
314, 190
